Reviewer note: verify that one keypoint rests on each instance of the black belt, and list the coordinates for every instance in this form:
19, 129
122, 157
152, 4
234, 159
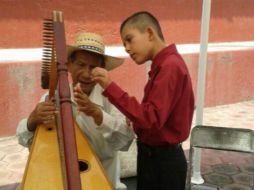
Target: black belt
163, 147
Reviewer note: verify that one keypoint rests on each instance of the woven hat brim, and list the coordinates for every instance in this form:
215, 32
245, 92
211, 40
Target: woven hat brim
110, 61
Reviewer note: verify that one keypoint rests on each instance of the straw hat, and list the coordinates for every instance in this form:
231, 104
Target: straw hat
94, 43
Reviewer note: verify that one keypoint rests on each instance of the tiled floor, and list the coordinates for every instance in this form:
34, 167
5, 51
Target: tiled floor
227, 170
12, 161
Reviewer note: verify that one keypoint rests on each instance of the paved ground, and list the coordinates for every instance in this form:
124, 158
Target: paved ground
226, 170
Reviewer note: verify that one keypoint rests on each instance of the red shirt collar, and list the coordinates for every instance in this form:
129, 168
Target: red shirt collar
170, 49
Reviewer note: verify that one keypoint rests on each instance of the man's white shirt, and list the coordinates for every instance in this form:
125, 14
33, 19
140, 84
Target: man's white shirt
106, 139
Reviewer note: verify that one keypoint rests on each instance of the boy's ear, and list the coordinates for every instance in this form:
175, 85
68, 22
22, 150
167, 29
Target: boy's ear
151, 33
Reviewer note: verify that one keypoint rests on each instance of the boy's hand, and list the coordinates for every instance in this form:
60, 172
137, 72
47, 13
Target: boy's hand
86, 106
101, 76
43, 113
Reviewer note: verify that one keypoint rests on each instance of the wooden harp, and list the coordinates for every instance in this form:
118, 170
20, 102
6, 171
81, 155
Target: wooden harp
60, 156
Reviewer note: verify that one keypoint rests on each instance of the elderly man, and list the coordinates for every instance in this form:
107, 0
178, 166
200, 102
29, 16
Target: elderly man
104, 126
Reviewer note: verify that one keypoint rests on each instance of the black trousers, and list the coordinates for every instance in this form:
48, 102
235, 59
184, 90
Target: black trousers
161, 167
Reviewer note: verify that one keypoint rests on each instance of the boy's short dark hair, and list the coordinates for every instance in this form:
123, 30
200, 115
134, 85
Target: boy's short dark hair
141, 20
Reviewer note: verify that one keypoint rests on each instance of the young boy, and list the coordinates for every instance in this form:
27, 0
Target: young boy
162, 121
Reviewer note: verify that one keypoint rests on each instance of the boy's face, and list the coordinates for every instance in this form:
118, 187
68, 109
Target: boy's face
80, 68
137, 44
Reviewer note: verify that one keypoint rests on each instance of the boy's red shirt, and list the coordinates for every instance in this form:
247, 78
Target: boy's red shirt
165, 114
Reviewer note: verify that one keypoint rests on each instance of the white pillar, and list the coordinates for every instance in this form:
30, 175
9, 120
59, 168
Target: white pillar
196, 175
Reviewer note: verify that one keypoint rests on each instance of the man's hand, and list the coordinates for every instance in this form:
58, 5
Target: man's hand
86, 106
43, 113
101, 76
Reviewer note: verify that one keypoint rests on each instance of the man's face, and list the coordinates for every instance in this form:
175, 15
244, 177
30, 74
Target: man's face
80, 68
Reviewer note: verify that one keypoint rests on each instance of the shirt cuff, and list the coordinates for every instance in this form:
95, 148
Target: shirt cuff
24, 135
106, 120
113, 90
